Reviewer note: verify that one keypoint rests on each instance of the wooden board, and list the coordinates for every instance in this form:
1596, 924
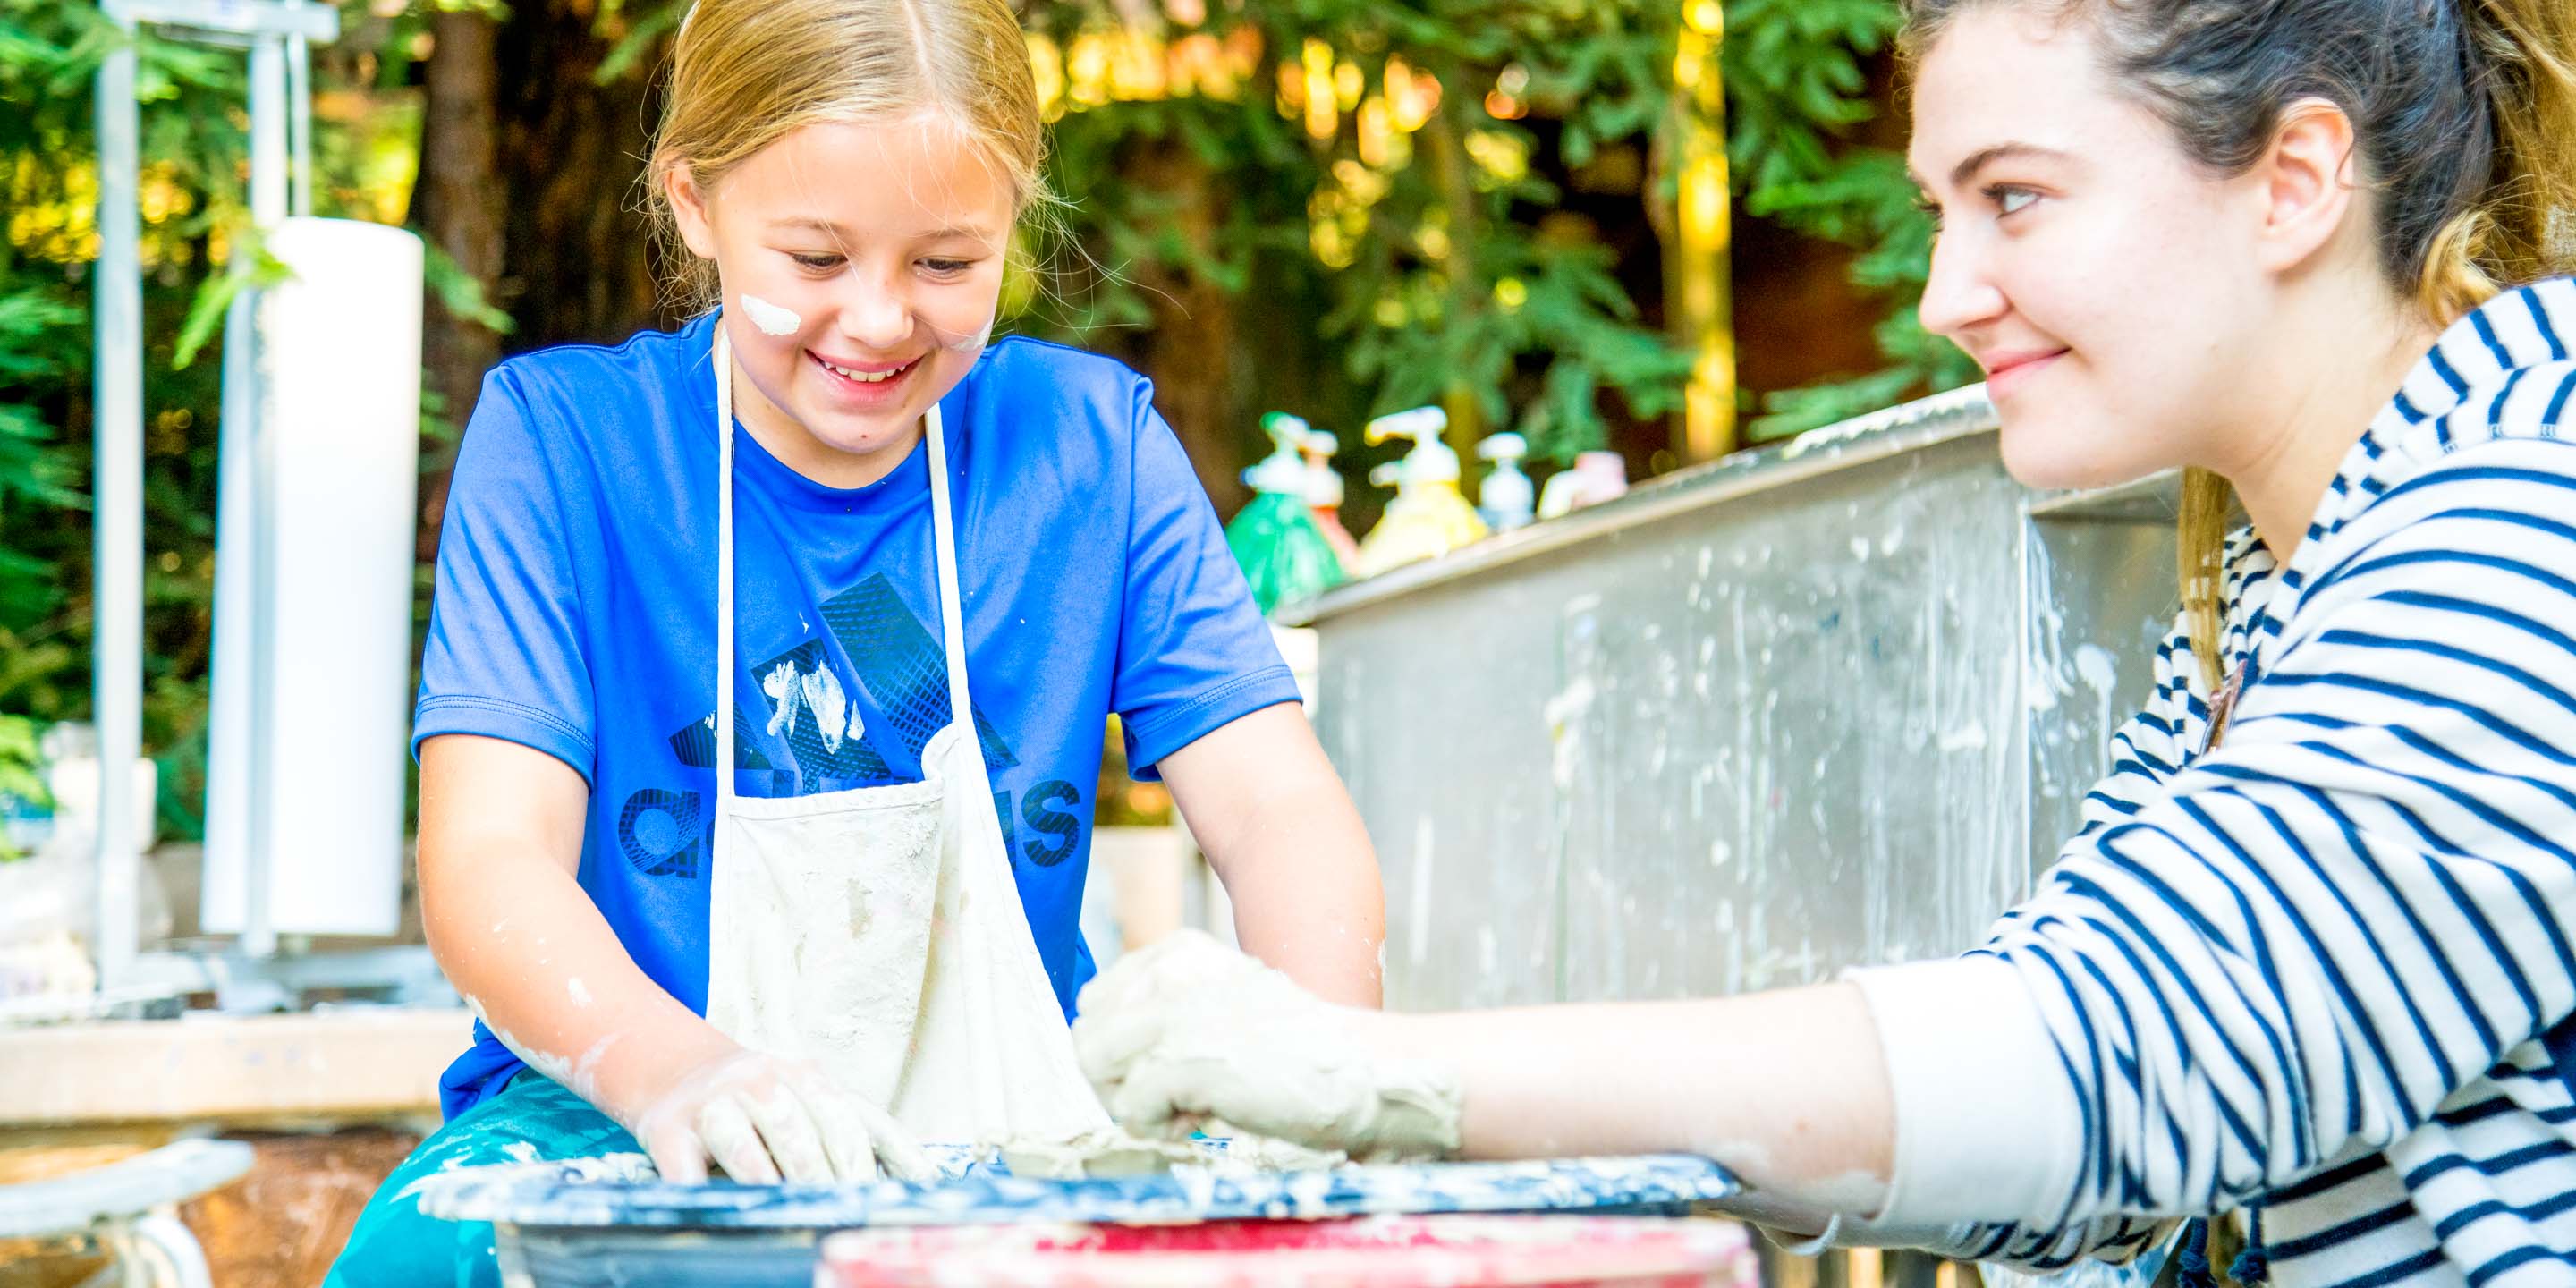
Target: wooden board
334, 1066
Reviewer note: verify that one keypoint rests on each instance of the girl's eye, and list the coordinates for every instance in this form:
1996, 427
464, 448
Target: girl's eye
1929, 209
816, 263
946, 267
2010, 200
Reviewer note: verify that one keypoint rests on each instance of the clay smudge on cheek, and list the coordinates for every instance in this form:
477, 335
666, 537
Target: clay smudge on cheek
772, 319
973, 343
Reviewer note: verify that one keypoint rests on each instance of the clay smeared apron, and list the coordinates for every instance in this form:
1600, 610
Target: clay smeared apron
878, 931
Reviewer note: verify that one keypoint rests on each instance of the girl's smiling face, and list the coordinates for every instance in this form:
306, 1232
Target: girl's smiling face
2111, 288
861, 268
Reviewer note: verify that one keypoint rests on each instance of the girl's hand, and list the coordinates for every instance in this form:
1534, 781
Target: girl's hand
764, 1119
1188, 1030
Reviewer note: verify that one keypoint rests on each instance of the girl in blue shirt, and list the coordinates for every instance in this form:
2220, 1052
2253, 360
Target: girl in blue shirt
949, 560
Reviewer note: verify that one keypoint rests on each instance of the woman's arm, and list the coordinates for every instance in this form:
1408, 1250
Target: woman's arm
500, 849
1282, 834
1787, 1089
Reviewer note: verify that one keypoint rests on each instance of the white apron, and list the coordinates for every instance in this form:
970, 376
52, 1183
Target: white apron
877, 931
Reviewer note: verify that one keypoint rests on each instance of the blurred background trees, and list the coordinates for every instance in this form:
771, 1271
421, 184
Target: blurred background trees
1331, 207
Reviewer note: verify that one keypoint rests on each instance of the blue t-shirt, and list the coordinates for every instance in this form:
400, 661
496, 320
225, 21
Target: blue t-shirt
576, 612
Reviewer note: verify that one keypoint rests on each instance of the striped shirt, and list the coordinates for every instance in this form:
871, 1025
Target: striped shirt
2309, 971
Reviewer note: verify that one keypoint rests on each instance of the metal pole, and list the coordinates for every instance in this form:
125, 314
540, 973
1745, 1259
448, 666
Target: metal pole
269, 125
116, 677
268, 205
299, 99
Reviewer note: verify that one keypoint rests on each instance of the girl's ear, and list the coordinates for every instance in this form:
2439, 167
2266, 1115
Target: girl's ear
689, 206
2305, 184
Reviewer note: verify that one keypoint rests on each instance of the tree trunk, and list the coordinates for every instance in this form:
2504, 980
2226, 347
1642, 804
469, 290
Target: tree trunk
576, 264
1189, 346
459, 207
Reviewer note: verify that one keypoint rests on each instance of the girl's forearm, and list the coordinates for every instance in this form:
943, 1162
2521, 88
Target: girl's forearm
531, 953
1306, 899
501, 832
1281, 832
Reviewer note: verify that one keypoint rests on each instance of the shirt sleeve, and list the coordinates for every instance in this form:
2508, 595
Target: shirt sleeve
505, 656
1194, 653
2352, 908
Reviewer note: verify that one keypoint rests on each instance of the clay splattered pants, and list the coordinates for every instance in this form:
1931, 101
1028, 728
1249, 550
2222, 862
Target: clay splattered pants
396, 1244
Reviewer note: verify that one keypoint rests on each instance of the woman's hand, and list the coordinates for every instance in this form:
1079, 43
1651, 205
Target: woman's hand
1188, 1030
764, 1119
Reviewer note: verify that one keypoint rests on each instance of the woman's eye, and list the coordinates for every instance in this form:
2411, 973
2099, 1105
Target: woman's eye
816, 263
2012, 200
1929, 209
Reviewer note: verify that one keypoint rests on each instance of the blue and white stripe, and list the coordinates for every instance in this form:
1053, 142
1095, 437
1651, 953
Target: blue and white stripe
2309, 971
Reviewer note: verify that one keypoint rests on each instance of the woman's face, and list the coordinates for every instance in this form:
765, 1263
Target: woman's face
2110, 288
861, 269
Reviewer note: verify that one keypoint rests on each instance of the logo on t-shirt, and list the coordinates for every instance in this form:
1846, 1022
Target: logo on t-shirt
818, 739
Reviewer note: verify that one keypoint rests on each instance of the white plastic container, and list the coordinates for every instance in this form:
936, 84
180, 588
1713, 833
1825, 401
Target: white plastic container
312, 686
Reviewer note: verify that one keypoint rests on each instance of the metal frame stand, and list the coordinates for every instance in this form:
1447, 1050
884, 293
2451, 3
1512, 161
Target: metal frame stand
279, 35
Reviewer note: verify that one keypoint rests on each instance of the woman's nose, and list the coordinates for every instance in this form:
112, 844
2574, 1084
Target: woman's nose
1961, 292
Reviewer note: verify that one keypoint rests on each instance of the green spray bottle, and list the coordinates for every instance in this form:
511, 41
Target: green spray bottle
1284, 554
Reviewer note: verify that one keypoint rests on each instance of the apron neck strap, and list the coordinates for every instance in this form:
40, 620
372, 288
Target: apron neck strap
723, 757
943, 534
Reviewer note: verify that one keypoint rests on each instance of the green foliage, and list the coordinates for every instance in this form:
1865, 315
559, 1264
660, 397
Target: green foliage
193, 150
22, 775
1523, 311
1478, 264
216, 294
1433, 277
1794, 81
459, 292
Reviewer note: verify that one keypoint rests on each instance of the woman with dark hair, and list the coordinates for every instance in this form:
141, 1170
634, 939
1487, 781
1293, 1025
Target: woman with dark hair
2313, 955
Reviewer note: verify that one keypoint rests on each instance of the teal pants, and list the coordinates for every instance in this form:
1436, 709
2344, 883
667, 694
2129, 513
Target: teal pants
398, 1245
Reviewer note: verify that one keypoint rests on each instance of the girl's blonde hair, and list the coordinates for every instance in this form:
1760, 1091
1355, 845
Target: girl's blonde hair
747, 73
2464, 115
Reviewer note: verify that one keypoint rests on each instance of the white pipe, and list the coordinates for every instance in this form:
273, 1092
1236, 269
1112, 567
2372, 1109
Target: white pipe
299, 132
116, 677
268, 205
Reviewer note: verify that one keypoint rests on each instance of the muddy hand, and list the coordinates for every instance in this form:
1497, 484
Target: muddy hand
1189, 1029
764, 1120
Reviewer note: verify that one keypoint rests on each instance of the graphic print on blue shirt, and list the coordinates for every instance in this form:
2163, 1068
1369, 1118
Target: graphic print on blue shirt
575, 614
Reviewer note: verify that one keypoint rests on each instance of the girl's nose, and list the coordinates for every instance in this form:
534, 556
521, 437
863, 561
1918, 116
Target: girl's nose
874, 313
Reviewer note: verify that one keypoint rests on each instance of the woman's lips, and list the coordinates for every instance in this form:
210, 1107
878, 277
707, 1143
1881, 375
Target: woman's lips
2008, 373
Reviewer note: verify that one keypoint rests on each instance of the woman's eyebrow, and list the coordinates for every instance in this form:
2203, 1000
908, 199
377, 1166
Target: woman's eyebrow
1966, 170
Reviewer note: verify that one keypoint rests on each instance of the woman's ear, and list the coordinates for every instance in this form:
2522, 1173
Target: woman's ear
2305, 184
689, 206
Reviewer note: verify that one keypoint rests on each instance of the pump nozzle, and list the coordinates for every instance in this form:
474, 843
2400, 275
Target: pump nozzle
1508, 495
1430, 461
1323, 482
1289, 432
1421, 424
1283, 471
